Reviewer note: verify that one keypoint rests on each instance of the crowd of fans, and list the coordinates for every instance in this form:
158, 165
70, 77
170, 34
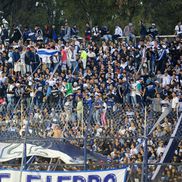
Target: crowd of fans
99, 83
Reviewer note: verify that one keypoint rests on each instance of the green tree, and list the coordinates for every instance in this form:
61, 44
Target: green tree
165, 13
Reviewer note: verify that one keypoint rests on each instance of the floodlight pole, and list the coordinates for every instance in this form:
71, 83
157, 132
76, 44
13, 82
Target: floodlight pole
24, 152
145, 157
85, 138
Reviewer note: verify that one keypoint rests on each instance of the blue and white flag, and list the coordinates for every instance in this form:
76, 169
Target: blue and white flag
46, 52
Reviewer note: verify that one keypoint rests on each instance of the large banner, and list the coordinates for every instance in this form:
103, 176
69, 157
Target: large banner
68, 153
9, 151
117, 175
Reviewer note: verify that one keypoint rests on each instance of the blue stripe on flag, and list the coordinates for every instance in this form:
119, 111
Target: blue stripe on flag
47, 52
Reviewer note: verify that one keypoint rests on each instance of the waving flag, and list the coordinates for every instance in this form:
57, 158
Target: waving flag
69, 89
46, 52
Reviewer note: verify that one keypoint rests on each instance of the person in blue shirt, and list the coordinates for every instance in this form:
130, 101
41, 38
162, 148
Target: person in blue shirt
16, 55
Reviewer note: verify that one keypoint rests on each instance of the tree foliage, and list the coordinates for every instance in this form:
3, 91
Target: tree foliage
165, 13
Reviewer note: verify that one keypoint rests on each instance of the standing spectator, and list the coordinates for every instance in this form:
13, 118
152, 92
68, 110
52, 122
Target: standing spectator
4, 33
143, 30
16, 59
47, 33
28, 60
62, 33
54, 33
79, 110
98, 108
63, 58
67, 32
175, 102
88, 32
72, 57
34, 59
83, 58
133, 92
161, 61
139, 92
103, 115
26, 34
10, 93
166, 79
156, 103
39, 96
22, 61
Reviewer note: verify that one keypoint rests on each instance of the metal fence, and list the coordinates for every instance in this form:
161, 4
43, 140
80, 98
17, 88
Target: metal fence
130, 127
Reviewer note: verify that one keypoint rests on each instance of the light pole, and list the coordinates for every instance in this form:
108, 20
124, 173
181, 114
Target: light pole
145, 157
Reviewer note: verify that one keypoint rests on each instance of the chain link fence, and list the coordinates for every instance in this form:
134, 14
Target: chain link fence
117, 134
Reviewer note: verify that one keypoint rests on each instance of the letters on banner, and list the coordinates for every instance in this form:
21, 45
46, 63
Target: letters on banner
117, 175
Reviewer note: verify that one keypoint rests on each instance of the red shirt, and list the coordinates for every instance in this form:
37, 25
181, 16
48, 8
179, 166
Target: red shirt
63, 56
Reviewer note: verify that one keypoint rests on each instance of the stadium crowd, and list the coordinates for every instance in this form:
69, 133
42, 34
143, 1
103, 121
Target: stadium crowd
108, 75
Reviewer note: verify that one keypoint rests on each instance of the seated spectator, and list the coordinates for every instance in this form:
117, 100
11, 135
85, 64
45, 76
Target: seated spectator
105, 34
95, 33
153, 31
178, 29
129, 33
117, 33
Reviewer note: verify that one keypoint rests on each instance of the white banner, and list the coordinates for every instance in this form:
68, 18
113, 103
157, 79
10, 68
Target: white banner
118, 175
9, 151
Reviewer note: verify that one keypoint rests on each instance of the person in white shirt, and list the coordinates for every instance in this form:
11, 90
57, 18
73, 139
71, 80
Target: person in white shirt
175, 101
72, 57
178, 29
165, 104
160, 149
117, 33
166, 79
